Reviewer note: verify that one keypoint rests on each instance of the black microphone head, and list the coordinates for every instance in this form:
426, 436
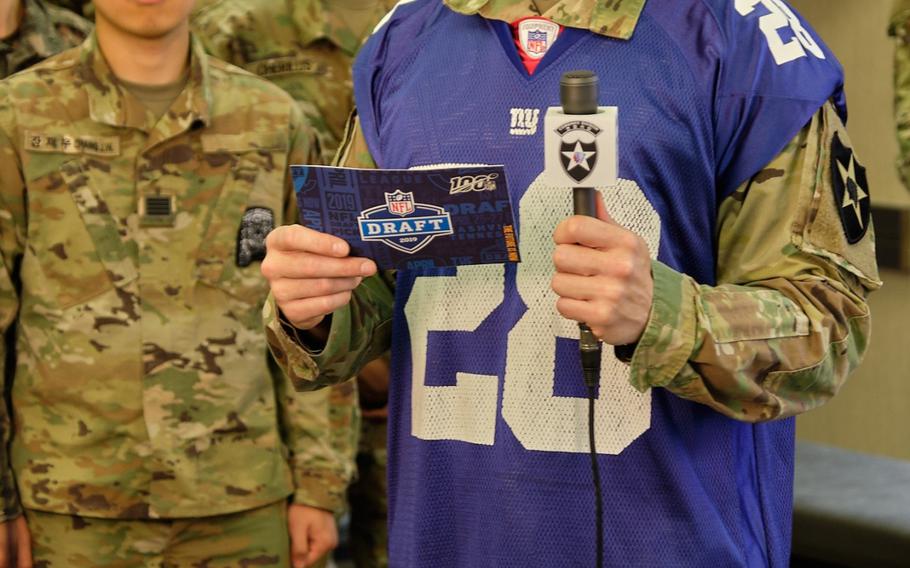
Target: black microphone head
579, 92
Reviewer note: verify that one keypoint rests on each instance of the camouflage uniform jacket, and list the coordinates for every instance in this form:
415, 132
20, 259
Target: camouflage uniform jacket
143, 387
304, 47
899, 28
45, 30
779, 333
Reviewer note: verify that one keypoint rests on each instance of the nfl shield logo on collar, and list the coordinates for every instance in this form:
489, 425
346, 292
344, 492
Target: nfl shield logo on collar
536, 36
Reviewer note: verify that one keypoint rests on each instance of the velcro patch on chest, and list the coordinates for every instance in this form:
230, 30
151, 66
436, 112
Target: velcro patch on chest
71, 144
255, 226
301, 64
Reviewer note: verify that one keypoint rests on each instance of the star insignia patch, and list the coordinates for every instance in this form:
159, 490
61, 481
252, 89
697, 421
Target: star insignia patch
578, 149
851, 191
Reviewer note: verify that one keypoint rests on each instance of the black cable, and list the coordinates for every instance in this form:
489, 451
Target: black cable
595, 473
590, 348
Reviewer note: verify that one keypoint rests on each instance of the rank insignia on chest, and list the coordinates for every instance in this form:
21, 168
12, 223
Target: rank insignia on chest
851, 191
157, 210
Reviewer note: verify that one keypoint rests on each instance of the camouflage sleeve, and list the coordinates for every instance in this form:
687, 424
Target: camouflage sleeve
359, 332
321, 464
12, 244
788, 319
900, 29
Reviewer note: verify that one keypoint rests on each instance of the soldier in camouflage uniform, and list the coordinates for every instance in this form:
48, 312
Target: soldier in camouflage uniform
899, 28
43, 30
150, 427
790, 292
307, 48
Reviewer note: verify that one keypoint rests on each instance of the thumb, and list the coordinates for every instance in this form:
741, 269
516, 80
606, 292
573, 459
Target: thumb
602, 213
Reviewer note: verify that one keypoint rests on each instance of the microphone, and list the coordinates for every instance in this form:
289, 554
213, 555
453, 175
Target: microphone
578, 94
581, 123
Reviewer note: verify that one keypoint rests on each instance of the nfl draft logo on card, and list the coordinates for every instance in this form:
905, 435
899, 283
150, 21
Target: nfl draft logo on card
537, 36
403, 224
578, 151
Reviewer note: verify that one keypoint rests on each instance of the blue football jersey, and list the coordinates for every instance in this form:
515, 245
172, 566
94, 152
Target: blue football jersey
488, 427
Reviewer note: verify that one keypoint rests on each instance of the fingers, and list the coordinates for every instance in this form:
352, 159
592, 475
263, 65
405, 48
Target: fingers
313, 534
284, 264
594, 233
575, 259
322, 542
287, 290
23, 544
584, 288
297, 238
310, 274
299, 548
306, 313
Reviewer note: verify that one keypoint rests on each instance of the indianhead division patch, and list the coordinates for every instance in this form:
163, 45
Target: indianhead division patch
851, 191
578, 150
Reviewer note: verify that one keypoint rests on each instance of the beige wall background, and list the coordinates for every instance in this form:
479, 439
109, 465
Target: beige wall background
872, 412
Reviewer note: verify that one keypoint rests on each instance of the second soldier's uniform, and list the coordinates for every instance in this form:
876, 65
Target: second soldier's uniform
899, 28
307, 48
44, 31
147, 416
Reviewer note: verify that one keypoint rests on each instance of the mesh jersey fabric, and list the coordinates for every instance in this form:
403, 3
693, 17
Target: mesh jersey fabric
487, 462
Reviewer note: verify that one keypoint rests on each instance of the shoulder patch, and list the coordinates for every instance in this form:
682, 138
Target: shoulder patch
851, 191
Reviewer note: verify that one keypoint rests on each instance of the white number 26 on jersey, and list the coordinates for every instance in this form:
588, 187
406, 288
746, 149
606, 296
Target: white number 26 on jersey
780, 16
538, 418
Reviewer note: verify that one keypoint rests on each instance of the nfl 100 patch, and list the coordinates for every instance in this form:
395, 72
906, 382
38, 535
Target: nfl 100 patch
412, 219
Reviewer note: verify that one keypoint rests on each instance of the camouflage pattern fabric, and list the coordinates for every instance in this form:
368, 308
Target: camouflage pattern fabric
83, 7
900, 29
143, 388
778, 335
789, 321
305, 47
252, 538
613, 18
45, 31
